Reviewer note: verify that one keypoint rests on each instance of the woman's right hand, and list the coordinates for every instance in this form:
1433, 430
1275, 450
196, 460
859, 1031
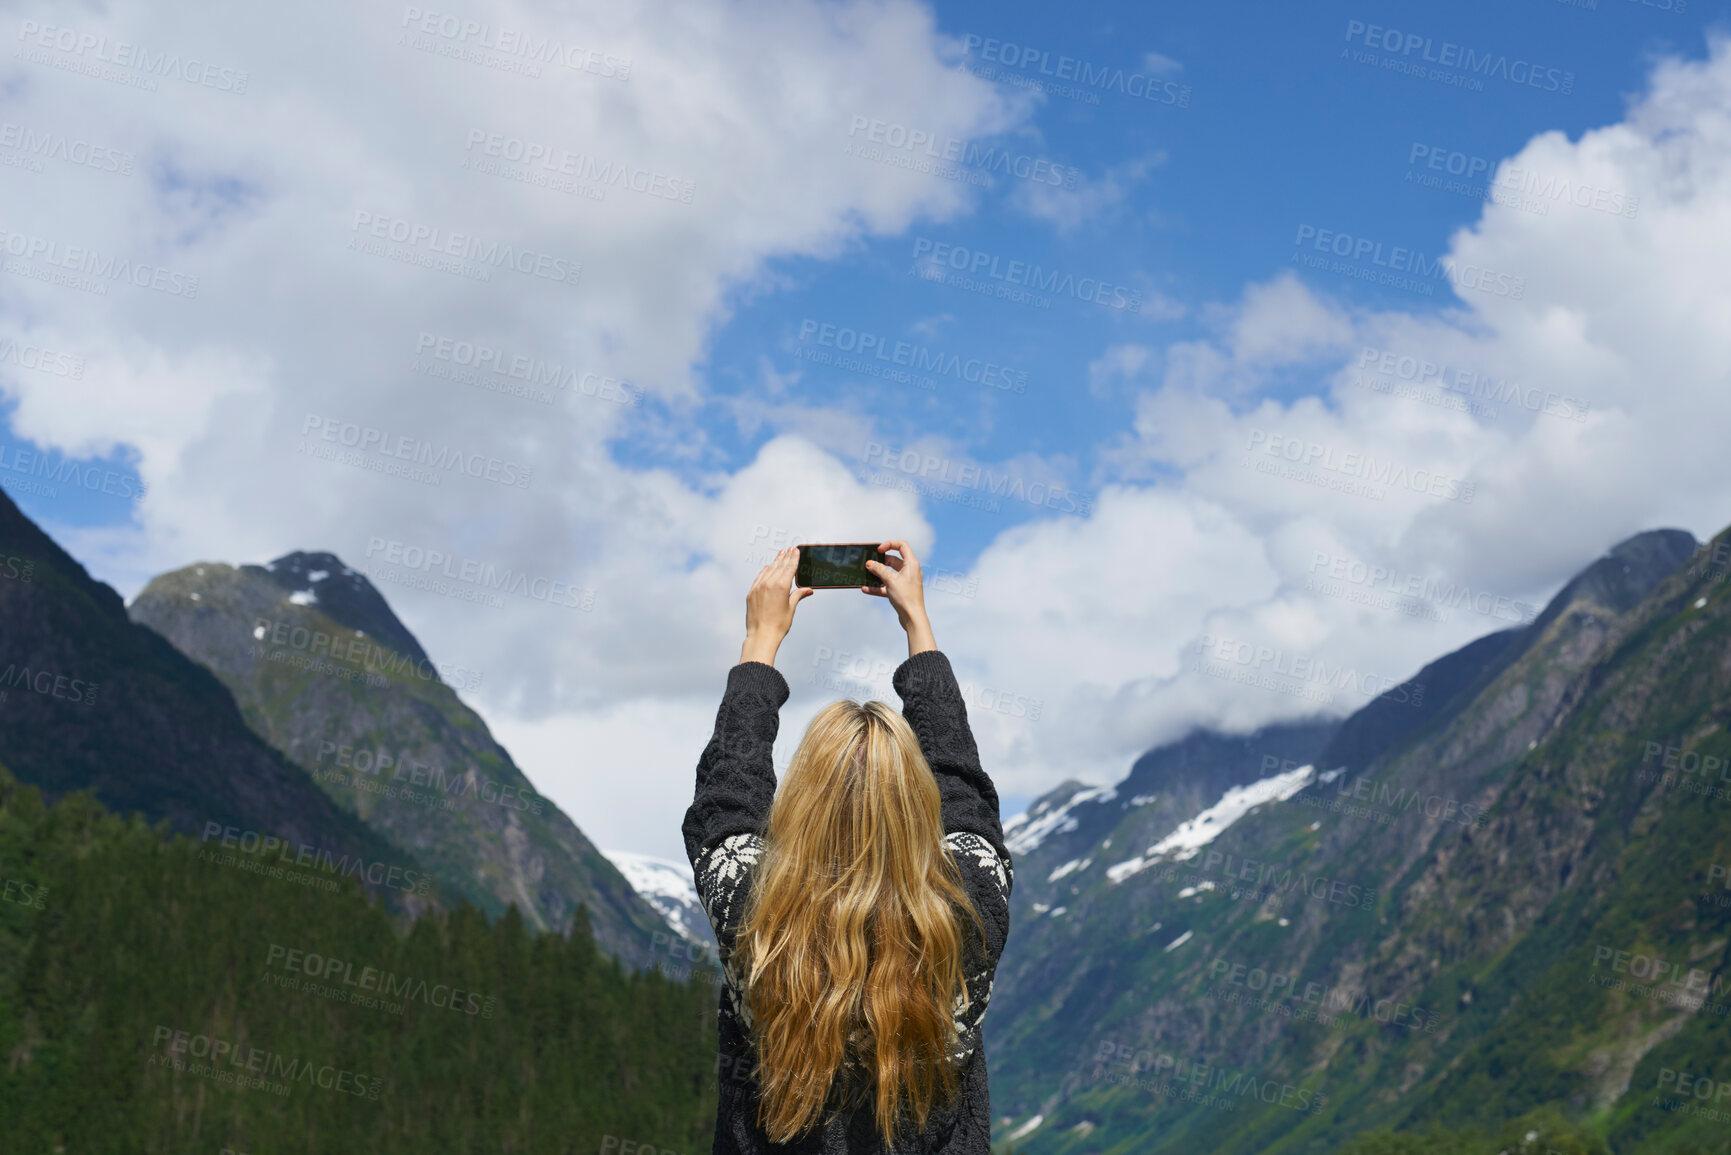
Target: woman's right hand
904, 586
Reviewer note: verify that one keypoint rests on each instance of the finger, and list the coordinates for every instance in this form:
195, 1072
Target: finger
875, 591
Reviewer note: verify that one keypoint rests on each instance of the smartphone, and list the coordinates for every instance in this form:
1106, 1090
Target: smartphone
830, 566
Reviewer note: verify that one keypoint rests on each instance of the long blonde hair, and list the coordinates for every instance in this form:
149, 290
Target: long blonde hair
851, 939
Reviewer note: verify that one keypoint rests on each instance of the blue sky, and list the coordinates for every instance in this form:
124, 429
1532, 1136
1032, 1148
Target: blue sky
1279, 132
1150, 433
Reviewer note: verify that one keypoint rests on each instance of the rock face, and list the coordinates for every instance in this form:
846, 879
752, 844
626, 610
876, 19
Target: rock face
327, 674
91, 701
1421, 928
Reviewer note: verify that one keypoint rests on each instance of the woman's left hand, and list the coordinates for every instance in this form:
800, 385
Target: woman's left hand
769, 607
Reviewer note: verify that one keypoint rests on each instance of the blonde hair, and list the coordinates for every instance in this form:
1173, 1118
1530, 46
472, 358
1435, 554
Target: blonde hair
851, 939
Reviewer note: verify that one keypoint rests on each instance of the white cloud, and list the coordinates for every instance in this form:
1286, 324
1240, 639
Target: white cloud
1095, 618
1159, 64
257, 194
1095, 199
1622, 324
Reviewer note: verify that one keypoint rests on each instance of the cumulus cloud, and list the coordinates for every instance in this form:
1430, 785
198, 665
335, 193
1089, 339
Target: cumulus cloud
1474, 458
345, 191
1586, 409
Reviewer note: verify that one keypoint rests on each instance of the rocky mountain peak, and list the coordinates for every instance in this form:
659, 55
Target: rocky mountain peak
342, 594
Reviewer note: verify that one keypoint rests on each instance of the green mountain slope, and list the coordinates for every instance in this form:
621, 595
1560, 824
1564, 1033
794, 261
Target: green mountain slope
91, 701
326, 674
1414, 943
153, 1001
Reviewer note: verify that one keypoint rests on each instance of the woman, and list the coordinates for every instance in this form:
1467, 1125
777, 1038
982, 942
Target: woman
860, 911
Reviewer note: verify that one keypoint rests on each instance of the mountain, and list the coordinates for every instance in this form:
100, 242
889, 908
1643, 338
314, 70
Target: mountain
670, 889
1405, 932
1167, 786
326, 673
90, 700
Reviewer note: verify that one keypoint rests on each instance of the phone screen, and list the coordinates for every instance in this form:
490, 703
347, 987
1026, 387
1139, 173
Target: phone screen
837, 566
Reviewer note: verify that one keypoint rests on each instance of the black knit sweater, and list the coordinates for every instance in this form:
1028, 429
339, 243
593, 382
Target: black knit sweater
724, 831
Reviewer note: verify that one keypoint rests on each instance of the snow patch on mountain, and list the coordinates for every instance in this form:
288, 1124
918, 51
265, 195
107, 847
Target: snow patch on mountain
1073, 865
1024, 832
1185, 842
667, 886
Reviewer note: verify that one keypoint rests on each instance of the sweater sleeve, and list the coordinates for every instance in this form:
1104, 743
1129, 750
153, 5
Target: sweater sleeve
932, 703
725, 822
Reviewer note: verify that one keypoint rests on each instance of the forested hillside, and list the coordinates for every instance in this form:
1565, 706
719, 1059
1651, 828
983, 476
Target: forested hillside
156, 995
